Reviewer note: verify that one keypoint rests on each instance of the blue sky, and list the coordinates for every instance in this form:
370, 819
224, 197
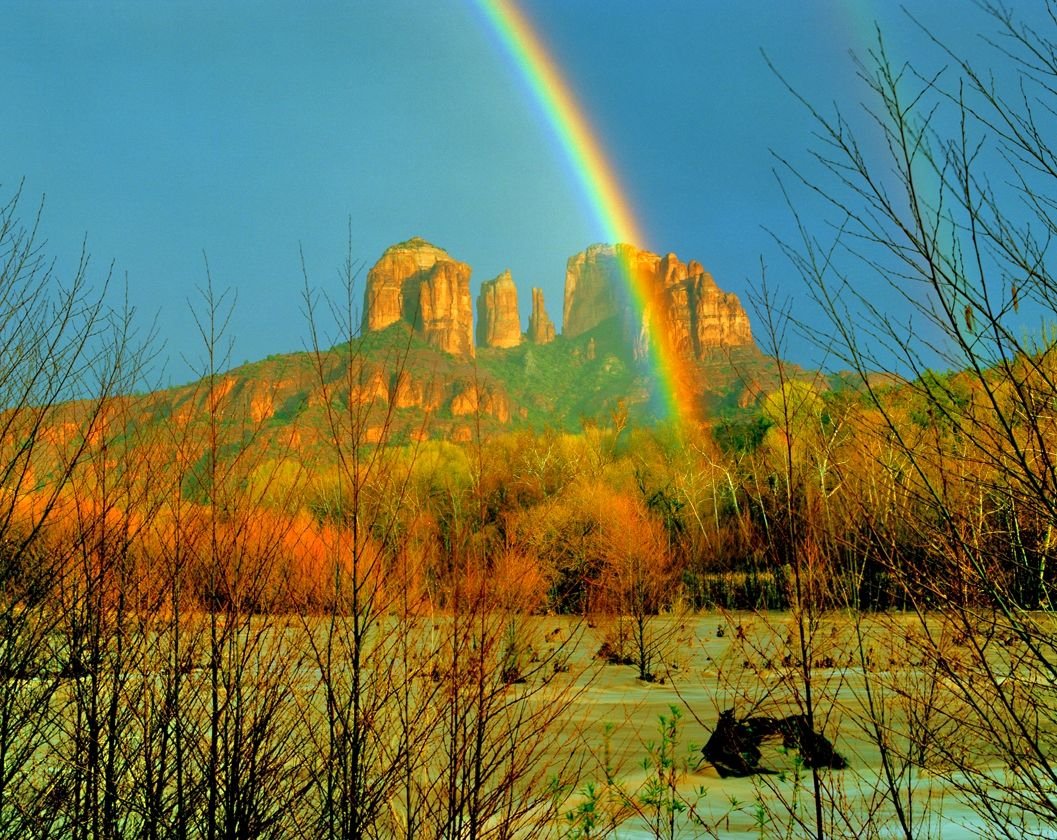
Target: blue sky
252, 130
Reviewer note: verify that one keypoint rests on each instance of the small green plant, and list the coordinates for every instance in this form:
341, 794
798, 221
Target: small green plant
664, 802
760, 818
660, 795
585, 820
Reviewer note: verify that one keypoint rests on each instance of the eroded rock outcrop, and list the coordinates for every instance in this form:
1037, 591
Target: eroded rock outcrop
541, 327
498, 320
370, 387
420, 284
407, 392
462, 397
593, 288
469, 399
719, 317
445, 307
682, 301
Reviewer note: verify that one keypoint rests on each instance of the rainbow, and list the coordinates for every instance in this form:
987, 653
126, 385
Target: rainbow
580, 145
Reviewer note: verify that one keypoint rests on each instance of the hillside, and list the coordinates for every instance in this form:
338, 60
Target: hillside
415, 371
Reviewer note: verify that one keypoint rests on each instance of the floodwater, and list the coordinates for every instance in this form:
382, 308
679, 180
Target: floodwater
706, 664
605, 723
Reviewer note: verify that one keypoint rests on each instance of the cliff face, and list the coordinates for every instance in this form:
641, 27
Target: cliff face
445, 308
592, 289
541, 327
421, 284
683, 303
498, 320
720, 320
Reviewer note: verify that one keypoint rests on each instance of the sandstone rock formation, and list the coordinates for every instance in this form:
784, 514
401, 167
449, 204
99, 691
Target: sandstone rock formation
594, 291
461, 396
720, 320
371, 387
407, 392
541, 327
683, 304
470, 398
420, 284
385, 299
498, 320
446, 311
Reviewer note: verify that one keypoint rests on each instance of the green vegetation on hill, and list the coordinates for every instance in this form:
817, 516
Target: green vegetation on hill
561, 383
415, 390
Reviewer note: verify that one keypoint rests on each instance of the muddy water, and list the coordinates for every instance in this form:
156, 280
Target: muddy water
710, 663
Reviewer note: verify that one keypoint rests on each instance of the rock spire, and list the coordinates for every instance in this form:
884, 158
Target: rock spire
498, 320
541, 327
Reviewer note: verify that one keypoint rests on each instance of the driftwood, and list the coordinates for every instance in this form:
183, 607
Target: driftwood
734, 748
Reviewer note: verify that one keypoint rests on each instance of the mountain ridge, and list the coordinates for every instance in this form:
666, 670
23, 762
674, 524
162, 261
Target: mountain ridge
414, 371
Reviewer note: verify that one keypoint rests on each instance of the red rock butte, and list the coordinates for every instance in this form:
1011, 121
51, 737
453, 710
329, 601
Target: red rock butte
422, 285
683, 301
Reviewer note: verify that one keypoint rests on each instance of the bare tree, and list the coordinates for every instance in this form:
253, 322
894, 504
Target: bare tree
65, 355
955, 216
